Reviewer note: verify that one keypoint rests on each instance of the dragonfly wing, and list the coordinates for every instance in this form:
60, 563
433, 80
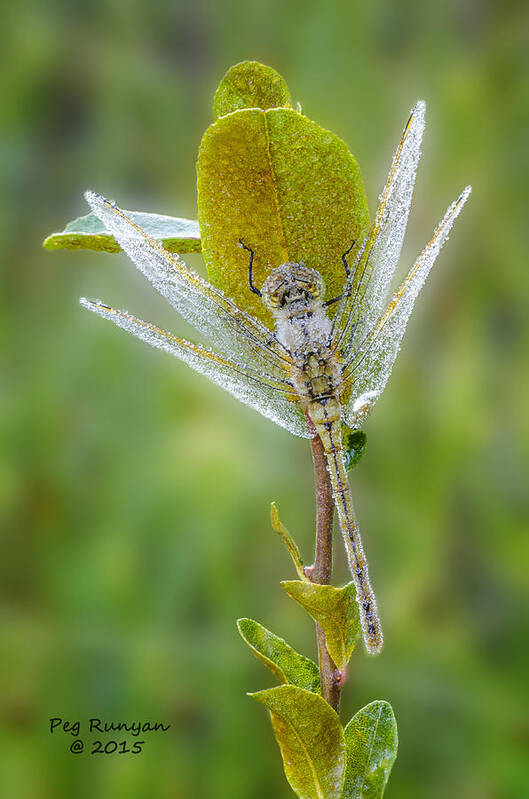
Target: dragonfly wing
370, 367
261, 392
226, 326
370, 282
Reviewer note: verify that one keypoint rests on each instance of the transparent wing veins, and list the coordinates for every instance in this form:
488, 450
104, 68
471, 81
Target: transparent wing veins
378, 350
206, 308
377, 259
273, 398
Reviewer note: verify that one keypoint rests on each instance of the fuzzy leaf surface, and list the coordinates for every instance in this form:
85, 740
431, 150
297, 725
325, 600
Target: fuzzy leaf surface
371, 742
288, 665
89, 233
335, 610
289, 189
250, 85
311, 740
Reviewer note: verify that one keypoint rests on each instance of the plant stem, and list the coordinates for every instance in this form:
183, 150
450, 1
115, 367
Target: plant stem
321, 572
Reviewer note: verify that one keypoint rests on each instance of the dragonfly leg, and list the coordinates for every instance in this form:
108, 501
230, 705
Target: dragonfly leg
344, 258
250, 267
334, 299
347, 275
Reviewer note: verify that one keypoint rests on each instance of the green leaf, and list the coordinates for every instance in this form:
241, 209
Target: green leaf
287, 664
250, 85
311, 740
336, 612
287, 188
371, 740
288, 541
89, 233
354, 445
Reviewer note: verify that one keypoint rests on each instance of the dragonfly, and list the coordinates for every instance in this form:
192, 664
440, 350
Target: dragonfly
314, 370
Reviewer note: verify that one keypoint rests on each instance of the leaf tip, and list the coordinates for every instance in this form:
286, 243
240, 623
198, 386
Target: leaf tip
49, 242
250, 84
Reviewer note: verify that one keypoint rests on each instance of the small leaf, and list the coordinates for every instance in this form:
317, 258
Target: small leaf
89, 233
287, 664
288, 541
311, 740
336, 612
371, 740
354, 445
250, 85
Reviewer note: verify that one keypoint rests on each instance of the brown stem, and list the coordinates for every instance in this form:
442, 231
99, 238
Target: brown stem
321, 572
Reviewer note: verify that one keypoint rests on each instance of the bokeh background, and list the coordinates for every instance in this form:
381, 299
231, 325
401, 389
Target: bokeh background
134, 496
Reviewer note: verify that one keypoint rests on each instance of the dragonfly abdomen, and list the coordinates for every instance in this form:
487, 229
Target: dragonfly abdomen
316, 376
330, 434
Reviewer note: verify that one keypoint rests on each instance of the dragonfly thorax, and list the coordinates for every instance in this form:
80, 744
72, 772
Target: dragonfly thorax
292, 283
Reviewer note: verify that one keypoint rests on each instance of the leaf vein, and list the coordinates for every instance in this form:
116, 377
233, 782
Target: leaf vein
317, 784
275, 187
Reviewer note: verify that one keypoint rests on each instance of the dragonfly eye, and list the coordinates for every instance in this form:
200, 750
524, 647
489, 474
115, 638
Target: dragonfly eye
317, 290
292, 282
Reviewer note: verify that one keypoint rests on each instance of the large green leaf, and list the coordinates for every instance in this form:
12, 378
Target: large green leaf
287, 540
336, 612
287, 664
371, 740
89, 233
287, 188
250, 85
311, 740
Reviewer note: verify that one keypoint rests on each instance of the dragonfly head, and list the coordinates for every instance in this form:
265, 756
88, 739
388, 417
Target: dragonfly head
291, 283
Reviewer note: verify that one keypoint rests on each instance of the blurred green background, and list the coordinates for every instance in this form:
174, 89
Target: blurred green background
134, 496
